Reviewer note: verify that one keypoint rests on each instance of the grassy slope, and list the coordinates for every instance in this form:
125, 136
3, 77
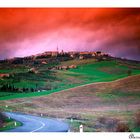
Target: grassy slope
88, 71
100, 71
9, 124
118, 100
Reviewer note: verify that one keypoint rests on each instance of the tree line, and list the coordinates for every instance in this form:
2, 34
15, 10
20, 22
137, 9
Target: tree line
12, 88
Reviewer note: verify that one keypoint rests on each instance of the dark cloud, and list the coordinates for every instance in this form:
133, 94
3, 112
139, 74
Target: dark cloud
111, 30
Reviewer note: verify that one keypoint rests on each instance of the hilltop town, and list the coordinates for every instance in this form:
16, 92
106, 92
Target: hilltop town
57, 56
50, 57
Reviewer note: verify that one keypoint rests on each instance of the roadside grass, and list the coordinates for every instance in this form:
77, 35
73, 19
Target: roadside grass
10, 124
74, 126
93, 124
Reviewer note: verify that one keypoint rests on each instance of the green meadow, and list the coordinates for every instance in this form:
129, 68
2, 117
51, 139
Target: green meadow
49, 81
10, 124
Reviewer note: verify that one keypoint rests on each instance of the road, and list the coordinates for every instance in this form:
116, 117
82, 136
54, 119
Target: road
37, 124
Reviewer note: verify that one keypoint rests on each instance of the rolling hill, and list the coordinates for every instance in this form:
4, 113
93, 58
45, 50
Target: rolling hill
117, 100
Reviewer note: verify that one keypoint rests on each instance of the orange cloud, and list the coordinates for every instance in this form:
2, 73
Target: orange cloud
31, 30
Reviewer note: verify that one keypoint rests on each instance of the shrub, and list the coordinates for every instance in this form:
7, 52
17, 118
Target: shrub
122, 127
129, 72
2, 119
102, 120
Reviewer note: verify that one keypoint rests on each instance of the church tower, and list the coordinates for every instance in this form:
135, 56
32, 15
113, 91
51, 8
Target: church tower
57, 49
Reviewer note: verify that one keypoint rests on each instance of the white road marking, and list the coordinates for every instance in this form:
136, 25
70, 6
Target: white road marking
42, 124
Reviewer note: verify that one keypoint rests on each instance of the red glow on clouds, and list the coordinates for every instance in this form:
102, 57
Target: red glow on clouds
30, 31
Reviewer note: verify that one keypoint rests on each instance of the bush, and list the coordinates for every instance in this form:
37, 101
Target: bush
102, 120
122, 127
2, 119
129, 72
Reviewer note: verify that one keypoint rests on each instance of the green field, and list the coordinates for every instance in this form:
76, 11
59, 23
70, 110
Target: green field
10, 124
87, 71
99, 72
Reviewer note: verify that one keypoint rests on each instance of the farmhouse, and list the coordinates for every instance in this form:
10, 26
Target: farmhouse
54, 53
81, 57
44, 62
65, 67
73, 54
33, 70
4, 75
72, 66
84, 53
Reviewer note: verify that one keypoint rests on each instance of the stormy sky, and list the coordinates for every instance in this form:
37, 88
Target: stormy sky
30, 31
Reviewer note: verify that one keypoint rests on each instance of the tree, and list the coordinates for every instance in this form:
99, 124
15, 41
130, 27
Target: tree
2, 119
129, 72
32, 90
